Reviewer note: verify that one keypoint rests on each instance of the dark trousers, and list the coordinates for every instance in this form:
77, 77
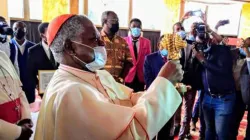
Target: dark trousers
198, 113
189, 98
239, 111
218, 115
165, 132
136, 85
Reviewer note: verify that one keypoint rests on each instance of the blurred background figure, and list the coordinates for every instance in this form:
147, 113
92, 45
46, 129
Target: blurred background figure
40, 57
6, 45
23, 45
119, 59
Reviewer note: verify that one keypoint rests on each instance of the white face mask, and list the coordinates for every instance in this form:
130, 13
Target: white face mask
99, 60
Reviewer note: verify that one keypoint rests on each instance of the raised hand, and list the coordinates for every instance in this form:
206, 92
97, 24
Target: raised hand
172, 71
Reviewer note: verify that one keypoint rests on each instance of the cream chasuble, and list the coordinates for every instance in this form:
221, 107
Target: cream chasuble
79, 105
10, 84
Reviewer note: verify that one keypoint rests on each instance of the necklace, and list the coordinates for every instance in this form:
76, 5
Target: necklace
17, 105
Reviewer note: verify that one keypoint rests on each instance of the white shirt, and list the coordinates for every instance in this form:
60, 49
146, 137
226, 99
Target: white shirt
46, 49
21, 47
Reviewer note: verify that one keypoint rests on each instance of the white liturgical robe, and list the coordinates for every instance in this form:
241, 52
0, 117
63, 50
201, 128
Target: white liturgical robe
80, 105
11, 92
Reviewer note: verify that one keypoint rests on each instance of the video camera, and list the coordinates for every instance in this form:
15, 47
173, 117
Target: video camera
201, 32
5, 29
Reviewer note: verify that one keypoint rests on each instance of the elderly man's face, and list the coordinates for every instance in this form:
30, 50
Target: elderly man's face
86, 41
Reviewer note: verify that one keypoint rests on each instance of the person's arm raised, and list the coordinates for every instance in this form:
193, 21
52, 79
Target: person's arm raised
91, 118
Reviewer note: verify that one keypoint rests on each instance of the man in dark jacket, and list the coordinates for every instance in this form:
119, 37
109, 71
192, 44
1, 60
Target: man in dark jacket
152, 66
217, 76
40, 57
242, 79
20, 41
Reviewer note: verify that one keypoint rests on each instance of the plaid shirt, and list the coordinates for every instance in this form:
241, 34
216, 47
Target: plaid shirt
118, 54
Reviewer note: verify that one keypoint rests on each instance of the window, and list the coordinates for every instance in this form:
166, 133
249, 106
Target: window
226, 12
97, 7
35, 9
81, 7
150, 12
15, 8
192, 6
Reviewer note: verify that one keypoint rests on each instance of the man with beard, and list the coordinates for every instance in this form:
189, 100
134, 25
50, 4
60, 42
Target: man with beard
83, 102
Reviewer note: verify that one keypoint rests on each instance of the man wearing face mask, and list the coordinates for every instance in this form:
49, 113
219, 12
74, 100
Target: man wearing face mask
7, 46
40, 57
23, 45
189, 97
241, 71
139, 48
83, 102
119, 58
152, 66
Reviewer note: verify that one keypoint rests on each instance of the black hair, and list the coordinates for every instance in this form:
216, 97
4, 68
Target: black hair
2, 18
42, 27
21, 23
105, 16
136, 20
179, 24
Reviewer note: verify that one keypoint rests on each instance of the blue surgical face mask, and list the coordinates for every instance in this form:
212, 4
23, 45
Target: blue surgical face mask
242, 52
100, 58
164, 52
182, 34
136, 32
191, 37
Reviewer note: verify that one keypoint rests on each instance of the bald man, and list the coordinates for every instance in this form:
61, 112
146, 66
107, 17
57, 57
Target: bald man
83, 102
23, 45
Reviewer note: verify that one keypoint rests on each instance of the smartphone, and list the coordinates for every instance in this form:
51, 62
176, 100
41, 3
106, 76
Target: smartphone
234, 41
197, 13
224, 22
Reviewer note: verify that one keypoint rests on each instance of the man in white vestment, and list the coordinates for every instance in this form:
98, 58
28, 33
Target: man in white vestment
15, 122
83, 102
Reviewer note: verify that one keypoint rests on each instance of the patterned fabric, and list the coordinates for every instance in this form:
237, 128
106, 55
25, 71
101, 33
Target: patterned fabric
118, 53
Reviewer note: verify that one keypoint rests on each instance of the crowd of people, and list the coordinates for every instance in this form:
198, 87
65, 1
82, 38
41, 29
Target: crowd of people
110, 87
